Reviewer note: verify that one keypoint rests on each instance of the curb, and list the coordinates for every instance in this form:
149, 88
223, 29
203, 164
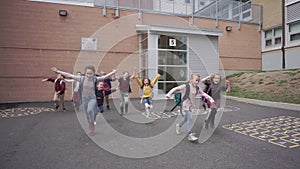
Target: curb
288, 106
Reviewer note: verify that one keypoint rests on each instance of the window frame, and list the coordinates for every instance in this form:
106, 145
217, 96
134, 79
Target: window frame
289, 34
273, 38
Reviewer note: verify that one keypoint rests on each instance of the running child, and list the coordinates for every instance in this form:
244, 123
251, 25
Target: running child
188, 93
207, 89
75, 98
101, 92
59, 91
87, 90
147, 91
125, 89
215, 85
107, 86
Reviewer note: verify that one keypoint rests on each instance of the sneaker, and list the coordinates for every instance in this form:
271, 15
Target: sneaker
147, 114
177, 129
191, 137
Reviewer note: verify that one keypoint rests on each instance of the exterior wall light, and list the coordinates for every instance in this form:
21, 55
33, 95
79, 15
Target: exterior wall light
63, 12
228, 28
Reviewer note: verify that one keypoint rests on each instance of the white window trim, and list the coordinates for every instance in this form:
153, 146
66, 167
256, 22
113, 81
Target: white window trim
273, 46
290, 43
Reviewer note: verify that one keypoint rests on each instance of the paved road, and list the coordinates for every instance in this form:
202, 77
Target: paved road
56, 140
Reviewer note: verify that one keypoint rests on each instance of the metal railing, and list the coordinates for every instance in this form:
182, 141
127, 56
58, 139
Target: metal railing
218, 9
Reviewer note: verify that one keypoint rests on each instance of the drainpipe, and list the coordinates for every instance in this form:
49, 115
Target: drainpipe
217, 15
283, 34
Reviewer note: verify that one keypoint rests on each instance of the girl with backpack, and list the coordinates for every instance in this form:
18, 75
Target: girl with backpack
125, 89
146, 91
87, 90
188, 93
215, 87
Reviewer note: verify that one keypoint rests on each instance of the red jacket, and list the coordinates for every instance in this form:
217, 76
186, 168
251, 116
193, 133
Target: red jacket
59, 85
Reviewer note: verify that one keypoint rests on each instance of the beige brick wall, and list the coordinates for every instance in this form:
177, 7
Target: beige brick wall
271, 11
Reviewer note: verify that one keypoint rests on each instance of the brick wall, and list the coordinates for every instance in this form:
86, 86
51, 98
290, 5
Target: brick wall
34, 38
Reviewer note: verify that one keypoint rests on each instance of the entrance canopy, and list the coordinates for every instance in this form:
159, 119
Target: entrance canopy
178, 29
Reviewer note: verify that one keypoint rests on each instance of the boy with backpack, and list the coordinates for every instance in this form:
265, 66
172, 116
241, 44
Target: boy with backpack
59, 88
147, 91
188, 92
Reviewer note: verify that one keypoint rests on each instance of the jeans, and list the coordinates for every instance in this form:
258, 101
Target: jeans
187, 118
90, 108
101, 109
124, 101
147, 100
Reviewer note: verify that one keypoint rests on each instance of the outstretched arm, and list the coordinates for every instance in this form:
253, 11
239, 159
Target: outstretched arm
133, 73
45, 80
204, 80
155, 79
138, 80
107, 75
174, 90
66, 74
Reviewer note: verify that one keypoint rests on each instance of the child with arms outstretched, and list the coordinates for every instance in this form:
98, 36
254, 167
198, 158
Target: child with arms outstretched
87, 92
125, 89
188, 103
147, 91
59, 88
214, 82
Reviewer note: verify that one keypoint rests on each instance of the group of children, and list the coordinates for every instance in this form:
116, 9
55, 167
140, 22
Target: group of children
91, 91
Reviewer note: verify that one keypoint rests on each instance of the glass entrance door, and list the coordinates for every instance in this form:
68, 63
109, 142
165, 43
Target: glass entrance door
172, 56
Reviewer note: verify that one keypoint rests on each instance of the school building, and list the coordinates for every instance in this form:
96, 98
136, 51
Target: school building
170, 37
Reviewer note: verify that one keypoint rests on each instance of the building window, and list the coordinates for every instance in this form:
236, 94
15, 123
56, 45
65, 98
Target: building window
272, 37
201, 3
294, 31
187, 1
172, 61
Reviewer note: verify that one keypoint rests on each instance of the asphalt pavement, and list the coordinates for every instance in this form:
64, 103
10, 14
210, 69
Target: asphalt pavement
40, 138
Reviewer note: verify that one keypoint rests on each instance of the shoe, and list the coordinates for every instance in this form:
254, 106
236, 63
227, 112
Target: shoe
64, 109
191, 137
56, 107
107, 107
147, 114
177, 129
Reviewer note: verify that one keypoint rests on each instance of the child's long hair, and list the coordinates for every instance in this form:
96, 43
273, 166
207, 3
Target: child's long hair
144, 83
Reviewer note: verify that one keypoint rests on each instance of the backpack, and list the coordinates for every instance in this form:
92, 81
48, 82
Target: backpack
178, 99
126, 81
187, 92
60, 82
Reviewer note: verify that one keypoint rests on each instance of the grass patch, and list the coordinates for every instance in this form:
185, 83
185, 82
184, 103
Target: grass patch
281, 82
279, 87
270, 83
238, 92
